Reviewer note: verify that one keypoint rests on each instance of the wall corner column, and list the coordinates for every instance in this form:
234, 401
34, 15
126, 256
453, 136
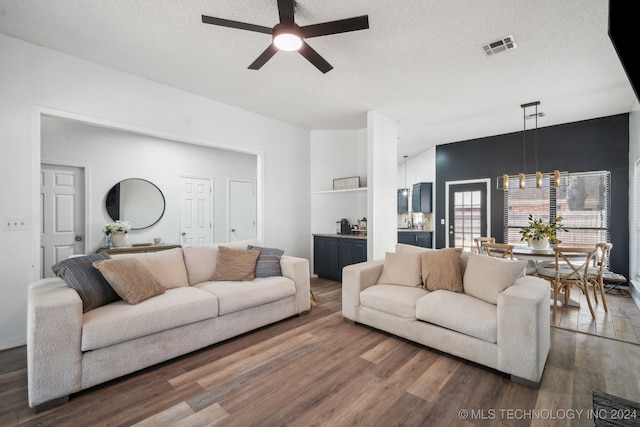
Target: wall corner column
382, 167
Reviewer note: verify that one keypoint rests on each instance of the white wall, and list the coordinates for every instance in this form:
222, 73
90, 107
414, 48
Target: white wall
382, 201
36, 78
420, 168
111, 155
336, 154
634, 203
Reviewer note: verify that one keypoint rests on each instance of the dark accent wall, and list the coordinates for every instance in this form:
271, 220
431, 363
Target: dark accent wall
591, 145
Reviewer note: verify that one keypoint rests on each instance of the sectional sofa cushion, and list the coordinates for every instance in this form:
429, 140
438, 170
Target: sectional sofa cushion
461, 313
392, 299
235, 296
268, 263
119, 322
401, 268
168, 266
201, 260
130, 279
79, 274
485, 276
403, 247
441, 270
235, 264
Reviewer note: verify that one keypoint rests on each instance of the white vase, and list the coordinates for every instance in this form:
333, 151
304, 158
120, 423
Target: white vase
118, 239
540, 243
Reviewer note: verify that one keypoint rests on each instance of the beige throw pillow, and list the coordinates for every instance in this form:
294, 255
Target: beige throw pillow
130, 279
235, 264
401, 268
485, 277
441, 270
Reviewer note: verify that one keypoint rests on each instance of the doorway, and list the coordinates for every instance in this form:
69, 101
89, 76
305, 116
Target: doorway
467, 212
196, 207
63, 219
242, 210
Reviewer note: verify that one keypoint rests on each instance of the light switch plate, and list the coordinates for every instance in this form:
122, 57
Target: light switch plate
15, 224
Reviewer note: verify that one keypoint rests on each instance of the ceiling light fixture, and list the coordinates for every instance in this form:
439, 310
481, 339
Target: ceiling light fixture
287, 38
405, 190
539, 176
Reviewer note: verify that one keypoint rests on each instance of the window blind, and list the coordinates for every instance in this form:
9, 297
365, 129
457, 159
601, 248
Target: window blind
582, 201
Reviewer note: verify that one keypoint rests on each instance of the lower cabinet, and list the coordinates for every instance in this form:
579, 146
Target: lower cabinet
416, 238
332, 254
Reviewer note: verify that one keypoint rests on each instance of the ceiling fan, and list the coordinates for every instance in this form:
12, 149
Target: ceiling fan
289, 36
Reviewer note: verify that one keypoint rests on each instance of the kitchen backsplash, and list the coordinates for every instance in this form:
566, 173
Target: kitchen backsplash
419, 221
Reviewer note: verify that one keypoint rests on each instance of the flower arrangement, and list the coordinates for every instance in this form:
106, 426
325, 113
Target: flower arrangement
538, 230
116, 227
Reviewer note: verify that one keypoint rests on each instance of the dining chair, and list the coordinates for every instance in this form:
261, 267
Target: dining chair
499, 250
596, 273
571, 269
480, 240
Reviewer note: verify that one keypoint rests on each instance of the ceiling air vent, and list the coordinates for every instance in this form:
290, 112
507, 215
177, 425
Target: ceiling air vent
498, 46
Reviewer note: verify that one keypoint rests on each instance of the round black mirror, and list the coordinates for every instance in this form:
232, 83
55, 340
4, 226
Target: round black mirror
135, 200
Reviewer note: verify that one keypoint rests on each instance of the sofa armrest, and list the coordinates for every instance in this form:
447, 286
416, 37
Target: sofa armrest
54, 330
524, 328
297, 269
355, 279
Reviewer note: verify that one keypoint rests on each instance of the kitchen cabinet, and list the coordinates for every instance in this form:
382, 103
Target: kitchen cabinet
403, 202
421, 197
332, 253
416, 238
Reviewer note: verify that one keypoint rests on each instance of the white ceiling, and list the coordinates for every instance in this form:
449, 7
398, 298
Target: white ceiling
420, 63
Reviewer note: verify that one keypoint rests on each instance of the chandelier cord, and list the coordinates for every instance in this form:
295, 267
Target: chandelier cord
524, 139
535, 141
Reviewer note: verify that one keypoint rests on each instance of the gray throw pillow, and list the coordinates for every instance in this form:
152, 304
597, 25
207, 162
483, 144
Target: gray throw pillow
268, 263
79, 274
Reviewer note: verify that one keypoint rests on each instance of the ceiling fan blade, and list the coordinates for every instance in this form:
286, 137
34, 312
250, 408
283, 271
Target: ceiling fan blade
285, 10
335, 27
235, 24
315, 58
264, 57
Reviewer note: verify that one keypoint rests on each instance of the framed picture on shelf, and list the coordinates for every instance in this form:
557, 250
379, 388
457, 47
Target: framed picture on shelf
346, 183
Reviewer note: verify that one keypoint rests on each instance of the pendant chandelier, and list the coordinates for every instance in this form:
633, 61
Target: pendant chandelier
522, 178
405, 190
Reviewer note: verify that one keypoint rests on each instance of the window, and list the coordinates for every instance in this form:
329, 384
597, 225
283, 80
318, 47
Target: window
582, 200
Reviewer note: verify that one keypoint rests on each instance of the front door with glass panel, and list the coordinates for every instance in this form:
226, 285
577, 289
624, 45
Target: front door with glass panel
467, 214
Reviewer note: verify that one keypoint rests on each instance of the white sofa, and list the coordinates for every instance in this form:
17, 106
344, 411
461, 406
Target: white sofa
511, 333
68, 350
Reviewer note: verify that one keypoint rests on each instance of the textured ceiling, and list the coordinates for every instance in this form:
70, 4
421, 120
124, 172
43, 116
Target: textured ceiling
420, 63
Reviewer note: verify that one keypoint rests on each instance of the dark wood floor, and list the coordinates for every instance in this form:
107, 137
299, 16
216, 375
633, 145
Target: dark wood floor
318, 370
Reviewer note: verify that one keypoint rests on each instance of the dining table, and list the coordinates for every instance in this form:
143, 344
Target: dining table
546, 255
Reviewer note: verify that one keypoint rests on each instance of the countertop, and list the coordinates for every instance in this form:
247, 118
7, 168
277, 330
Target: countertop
413, 230
344, 236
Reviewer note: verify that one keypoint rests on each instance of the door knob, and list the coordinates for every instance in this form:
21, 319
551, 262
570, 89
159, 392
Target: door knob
183, 234
78, 238
233, 230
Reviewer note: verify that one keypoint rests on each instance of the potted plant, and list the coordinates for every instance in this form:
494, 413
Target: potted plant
539, 233
117, 232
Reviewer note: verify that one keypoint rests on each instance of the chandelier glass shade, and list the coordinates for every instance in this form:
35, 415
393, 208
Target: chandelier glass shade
405, 190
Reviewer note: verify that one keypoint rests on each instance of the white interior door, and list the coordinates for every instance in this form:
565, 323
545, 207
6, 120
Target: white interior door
196, 203
62, 204
242, 210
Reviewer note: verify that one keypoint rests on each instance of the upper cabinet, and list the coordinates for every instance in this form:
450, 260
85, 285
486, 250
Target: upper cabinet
421, 197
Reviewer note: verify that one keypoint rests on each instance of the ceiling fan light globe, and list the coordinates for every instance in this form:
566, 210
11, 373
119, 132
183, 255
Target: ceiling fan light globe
287, 42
